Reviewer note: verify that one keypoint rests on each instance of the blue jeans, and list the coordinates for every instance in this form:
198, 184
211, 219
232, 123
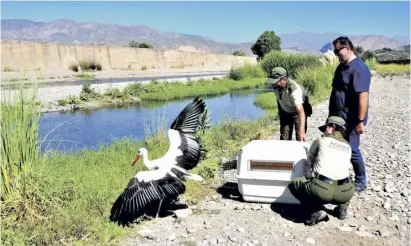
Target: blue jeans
357, 160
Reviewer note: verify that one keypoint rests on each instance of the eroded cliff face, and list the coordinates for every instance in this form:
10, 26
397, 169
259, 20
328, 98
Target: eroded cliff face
32, 56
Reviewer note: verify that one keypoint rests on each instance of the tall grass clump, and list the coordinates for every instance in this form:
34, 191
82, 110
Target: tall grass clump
86, 65
291, 62
317, 81
371, 63
246, 71
19, 141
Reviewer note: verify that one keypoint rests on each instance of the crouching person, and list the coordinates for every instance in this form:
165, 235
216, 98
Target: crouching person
330, 159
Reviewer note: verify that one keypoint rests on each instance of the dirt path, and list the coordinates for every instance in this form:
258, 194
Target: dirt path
379, 216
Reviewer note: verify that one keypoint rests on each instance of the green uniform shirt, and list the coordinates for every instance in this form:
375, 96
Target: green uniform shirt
290, 96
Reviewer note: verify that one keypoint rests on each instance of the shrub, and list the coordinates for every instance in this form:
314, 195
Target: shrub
246, 71
62, 102
238, 53
371, 63
73, 67
316, 81
90, 65
291, 62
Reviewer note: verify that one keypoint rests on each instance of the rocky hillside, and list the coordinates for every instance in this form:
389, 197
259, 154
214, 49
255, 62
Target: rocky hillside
386, 54
369, 42
66, 30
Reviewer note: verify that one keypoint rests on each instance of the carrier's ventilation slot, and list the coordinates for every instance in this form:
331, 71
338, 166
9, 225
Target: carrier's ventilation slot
271, 166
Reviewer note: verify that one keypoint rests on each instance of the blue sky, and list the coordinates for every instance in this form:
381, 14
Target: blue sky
228, 21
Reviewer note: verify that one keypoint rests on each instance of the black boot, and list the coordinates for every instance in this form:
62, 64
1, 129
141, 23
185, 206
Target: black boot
340, 213
317, 217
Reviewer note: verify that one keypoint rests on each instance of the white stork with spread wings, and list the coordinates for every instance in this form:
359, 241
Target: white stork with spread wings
164, 179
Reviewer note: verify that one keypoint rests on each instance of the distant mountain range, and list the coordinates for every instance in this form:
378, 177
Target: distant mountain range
69, 31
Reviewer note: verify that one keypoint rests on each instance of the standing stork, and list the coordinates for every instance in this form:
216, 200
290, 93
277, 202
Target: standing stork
164, 179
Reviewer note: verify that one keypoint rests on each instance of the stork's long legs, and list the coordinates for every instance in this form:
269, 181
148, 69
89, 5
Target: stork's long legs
159, 206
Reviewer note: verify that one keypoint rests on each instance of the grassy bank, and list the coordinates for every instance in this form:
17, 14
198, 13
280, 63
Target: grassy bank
245, 77
392, 69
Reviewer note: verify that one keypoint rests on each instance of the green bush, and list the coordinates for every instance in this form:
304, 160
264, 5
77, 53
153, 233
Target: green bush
246, 71
317, 81
371, 63
86, 65
73, 67
238, 53
291, 62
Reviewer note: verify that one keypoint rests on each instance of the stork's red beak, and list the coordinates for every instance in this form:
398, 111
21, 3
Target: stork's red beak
135, 160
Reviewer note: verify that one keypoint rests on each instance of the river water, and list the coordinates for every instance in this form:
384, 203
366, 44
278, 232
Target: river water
73, 131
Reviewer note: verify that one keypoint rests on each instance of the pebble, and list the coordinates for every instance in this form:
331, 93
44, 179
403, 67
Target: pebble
183, 213
363, 233
343, 228
394, 217
172, 237
363, 228
310, 240
146, 233
213, 241
377, 188
232, 238
387, 205
369, 218
220, 240
191, 230
383, 233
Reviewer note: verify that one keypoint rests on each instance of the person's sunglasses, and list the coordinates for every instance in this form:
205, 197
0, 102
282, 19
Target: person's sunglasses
337, 51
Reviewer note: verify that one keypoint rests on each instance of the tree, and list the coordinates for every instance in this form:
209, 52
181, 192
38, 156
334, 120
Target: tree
367, 55
238, 53
358, 50
145, 45
265, 43
135, 44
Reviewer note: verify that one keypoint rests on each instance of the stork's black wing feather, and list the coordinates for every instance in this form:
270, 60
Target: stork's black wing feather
186, 124
139, 195
187, 120
192, 151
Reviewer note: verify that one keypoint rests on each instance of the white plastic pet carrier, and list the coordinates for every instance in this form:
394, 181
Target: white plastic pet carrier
266, 167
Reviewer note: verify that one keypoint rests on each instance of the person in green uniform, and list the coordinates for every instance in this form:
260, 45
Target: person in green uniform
330, 160
293, 105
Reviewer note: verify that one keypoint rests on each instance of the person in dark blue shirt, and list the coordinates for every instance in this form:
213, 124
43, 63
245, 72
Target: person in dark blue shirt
349, 100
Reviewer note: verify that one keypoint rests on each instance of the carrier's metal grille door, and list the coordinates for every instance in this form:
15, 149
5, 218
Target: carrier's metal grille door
271, 166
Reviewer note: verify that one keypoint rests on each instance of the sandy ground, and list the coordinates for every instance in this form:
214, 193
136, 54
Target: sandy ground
378, 216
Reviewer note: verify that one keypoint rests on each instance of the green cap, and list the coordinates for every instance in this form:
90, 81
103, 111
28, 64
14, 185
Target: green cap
277, 73
333, 120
